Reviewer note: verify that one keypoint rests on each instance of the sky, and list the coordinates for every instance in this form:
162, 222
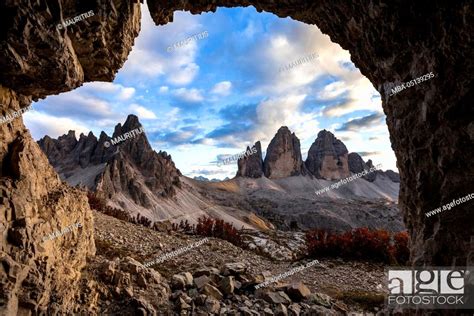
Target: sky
232, 85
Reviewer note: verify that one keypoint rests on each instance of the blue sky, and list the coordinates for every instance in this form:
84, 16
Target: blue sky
214, 96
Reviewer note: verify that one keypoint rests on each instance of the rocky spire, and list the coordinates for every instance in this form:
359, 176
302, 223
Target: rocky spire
251, 165
283, 158
327, 157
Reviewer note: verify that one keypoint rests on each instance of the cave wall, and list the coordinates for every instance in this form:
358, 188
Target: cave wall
37, 59
431, 125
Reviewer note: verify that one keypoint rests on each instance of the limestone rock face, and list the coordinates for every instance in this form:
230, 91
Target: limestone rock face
283, 158
394, 176
66, 154
251, 166
328, 157
54, 60
34, 203
357, 165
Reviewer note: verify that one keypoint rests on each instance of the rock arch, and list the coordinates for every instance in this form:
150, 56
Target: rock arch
431, 125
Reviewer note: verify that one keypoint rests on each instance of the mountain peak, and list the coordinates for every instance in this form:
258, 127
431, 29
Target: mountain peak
328, 157
283, 158
251, 164
132, 122
132, 157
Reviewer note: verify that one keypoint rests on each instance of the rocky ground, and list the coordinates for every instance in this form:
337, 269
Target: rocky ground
218, 277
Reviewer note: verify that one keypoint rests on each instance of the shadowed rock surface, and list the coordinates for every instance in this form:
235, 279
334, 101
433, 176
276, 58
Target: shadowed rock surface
327, 157
251, 166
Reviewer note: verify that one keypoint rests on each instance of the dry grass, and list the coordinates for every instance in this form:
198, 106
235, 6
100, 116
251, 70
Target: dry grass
365, 299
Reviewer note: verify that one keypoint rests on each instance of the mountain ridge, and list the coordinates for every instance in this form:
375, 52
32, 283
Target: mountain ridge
328, 159
133, 177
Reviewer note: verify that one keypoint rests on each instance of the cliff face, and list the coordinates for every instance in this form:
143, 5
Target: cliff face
283, 158
327, 157
34, 203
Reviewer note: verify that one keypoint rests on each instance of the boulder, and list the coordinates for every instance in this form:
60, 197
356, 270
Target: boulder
227, 285
298, 291
212, 291
178, 282
212, 305
276, 297
201, 281
235, 269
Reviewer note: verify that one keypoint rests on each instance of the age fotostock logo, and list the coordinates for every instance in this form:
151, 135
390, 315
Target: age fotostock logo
440, 288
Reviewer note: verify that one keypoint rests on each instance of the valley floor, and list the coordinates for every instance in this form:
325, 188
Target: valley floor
351, 285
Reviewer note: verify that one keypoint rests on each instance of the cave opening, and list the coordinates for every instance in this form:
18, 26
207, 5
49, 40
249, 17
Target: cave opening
430, 125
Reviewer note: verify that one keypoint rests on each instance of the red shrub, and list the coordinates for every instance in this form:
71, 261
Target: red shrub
99, 204
360, 243
218, 228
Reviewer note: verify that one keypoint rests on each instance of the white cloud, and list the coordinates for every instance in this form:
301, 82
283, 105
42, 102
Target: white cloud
77, 104
183, 74
284, 111
141, 111
222, 88
189, 95
332, 90
115, 90
149, 57
361, 96
164, 89
41, 124
126, 93
284, 44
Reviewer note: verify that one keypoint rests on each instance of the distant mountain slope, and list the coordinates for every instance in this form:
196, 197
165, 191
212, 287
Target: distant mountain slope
292, 202
279, 190
133, 177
